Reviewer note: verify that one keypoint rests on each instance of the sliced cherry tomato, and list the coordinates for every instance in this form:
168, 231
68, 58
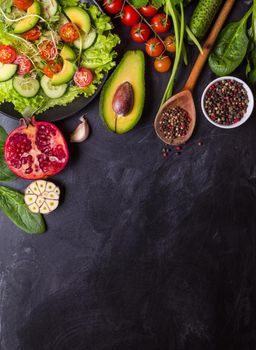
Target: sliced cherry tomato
47, 50
154, 47
140, 32
148, 11
83, 77
162, 64
113, 6
23, 4
24, 65
69, 33
7, 54
52, 68
161, 23
129, 16
32, 34
170, 43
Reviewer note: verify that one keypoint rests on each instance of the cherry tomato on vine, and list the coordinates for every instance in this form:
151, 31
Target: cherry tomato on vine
140, 32
24, 64
23, 4
162, 64
69, 33
148, 11
129, 16
7, 54
160, 23
83, 77
113, 6
154, 47
170, 43
52, 68
47, 50
32, 34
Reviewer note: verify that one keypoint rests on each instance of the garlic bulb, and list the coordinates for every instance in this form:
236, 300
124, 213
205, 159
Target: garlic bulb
42, 196
81, 132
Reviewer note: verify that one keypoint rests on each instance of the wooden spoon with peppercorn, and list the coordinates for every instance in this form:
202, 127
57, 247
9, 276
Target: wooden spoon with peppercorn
176, 119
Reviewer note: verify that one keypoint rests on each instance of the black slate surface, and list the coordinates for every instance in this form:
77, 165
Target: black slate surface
144, 252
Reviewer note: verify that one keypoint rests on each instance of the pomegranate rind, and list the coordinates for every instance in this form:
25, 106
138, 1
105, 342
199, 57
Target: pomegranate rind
36, 151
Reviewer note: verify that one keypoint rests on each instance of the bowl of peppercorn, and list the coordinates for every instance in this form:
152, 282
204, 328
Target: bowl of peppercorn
227, 102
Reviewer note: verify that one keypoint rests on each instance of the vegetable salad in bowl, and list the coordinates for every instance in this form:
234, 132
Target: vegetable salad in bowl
52, 51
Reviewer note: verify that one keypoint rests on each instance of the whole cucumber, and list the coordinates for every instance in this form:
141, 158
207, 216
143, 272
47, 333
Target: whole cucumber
203, 17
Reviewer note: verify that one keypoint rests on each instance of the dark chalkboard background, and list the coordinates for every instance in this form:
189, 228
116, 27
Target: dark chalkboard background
144, 252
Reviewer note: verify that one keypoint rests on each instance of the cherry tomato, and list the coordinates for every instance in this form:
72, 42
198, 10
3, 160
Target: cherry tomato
83, 77
161, 23
113, 6
23, 4
148, 11
32, 34
170, 43
69, 33
47, 50
129, 16
7, 54
52, 68
140, 32
24, 64
162, 64
154, 47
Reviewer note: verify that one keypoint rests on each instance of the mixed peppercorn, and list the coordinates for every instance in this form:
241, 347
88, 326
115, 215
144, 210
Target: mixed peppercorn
226, 102
174, 123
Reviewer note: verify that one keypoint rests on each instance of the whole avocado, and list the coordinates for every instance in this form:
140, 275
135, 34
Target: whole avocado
203, 17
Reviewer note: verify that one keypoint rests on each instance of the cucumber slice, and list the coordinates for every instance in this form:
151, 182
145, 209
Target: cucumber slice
87, 40
49, 7
7, 71
26, 87
52, 91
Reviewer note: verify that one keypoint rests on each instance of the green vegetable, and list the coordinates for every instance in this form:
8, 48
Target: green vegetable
203, 17
251, 52
230, 48
13, 205
5, 173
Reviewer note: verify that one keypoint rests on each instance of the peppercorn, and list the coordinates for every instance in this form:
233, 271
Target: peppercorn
226, 101
174, 123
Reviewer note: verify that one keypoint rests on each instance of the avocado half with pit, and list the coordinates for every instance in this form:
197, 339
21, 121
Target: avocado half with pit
30, 21
123, 96
79, 17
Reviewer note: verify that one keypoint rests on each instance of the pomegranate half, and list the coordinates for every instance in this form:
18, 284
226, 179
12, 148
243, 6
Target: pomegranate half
36, 150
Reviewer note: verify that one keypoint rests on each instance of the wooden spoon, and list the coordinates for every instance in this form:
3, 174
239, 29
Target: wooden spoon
184, 99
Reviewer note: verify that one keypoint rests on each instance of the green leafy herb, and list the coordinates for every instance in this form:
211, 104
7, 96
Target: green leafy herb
139, 3
13, 205
5, 173
231, 47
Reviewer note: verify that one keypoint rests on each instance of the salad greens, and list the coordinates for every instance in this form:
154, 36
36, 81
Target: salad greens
100, 57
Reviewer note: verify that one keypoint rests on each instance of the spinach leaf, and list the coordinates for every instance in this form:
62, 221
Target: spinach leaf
5, 173
231, 47
13, 205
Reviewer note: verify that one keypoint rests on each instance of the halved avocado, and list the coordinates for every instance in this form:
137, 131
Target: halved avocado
67, 53
130, 70
65, 75
79, 17
28, 23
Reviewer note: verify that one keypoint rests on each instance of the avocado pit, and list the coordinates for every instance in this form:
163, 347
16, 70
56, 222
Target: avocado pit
123, 100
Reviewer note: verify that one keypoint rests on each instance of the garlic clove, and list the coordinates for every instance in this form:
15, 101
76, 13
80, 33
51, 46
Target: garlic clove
41, 184
30, 199
28, 191
40, 201
82, 131
34, 188
44, 209
50, 195
34, 208
52, 204
50, 186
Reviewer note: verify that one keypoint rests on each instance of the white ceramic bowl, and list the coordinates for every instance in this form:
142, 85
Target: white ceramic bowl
249, 109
